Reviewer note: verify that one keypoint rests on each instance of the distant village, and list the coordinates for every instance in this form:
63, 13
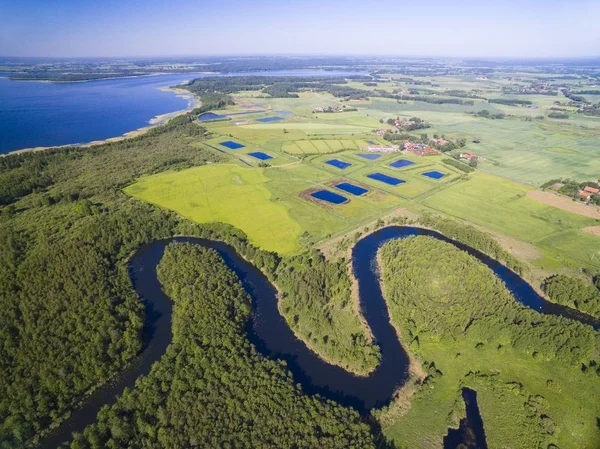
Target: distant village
425, 146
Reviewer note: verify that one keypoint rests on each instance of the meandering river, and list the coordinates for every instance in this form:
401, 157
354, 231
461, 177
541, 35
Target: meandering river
269, 332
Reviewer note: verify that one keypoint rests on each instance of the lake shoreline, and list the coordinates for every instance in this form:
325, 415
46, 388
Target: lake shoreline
193, 102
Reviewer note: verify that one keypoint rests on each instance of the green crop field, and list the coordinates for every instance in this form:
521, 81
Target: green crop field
226, 193
502, 206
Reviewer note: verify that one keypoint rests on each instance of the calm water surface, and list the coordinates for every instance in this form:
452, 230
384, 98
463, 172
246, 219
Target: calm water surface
36, 114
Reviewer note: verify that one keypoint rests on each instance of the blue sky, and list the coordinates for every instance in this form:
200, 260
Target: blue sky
527, 28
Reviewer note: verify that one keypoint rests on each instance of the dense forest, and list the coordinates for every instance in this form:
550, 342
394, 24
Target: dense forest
277, 87
68, 230
318, 305
466, 329
212, 388
70, 317
472, 300
574, 292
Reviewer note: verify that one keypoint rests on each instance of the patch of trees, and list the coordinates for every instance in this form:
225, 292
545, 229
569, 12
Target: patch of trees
460, 93
558, 115
472, 237
212, 388
316, 302
438, 292
588, 92
571, 96
573, 292
411, 124
435, 100
510, 101
457, 164
484, 113
279, 87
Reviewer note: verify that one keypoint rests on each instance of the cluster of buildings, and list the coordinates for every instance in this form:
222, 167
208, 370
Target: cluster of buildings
587, 192
381, 132
420, 149
328, 109
382, 149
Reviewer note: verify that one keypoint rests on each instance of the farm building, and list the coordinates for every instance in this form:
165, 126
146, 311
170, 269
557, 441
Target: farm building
380, 149
381, 132
585, 195
468, 155
591, 190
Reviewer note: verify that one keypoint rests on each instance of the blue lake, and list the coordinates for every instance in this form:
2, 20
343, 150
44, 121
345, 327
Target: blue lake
330, 197
351, 188
34, 114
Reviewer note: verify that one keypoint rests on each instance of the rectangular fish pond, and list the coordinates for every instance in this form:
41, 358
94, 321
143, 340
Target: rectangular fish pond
329, 197
434, 174
386, 179
370, 156
339, 164
210, 116
401, 163
260, 155
232, 145
351, 188
269, 119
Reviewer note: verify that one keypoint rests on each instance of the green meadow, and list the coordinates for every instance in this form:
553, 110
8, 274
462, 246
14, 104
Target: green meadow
502, 206
224, 193
515, 149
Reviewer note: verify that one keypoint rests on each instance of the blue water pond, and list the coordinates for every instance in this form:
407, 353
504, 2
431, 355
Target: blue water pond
385, 178
260, 155
370, 156
284, 112
232, 145
434, 174
401, 163
330, 197
269, 119
351, 188
210, 116
339, 164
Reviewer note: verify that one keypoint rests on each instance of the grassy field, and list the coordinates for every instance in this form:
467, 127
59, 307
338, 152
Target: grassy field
501, 205
501, 407
224, 193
